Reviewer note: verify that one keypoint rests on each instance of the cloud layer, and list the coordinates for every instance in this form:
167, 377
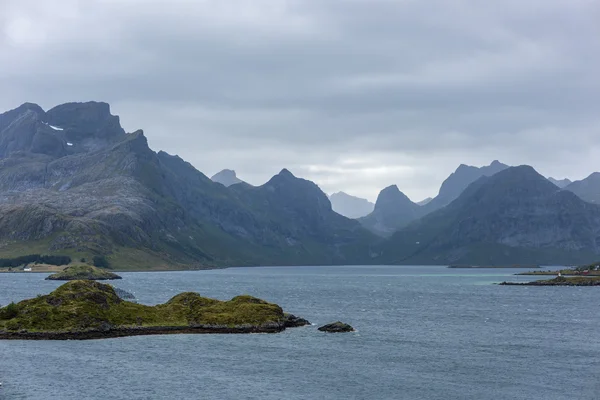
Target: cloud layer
353, 94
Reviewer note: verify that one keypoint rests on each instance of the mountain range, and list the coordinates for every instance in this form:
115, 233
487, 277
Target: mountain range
514, 216
73, 182
394, 210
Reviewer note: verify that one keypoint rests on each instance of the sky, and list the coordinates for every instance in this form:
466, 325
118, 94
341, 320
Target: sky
355, 95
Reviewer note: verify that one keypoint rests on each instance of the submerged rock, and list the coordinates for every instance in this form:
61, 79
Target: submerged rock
82, 272
336, 327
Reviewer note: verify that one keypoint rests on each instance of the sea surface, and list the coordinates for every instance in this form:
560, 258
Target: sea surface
423, 333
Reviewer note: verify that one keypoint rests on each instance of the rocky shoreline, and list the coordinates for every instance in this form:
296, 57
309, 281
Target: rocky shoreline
291, 321
140, 331
559, 281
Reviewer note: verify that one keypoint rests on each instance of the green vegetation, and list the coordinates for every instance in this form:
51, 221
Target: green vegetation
9, 312
101, 262
34, 258
82, 272
86, 305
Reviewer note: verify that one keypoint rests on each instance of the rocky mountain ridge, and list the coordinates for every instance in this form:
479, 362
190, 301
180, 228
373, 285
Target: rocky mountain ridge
515, 214
109, 193
73, 182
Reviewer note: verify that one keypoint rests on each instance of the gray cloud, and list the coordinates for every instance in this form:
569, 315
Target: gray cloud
353, 94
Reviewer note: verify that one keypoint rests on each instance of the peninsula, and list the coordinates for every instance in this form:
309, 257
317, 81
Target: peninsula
92, 310
560, 281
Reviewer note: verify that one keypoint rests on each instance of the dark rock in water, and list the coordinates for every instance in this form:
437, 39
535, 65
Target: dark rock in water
124, 294
291, 321
336, 327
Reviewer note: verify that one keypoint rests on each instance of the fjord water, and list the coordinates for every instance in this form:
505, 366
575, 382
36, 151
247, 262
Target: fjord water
423, 333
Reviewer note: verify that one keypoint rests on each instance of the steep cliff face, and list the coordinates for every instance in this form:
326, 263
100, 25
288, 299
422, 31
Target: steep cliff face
515, 214
93, 189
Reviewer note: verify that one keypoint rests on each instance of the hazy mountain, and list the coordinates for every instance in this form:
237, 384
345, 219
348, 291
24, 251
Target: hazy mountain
393, 210
587, 189
561, 183
73, 182
458, 181
424, 201
227, 177
514, 216
350, 206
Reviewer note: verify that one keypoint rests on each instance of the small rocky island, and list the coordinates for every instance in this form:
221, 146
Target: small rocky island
560, 281
336, 327
92, 310
87, 272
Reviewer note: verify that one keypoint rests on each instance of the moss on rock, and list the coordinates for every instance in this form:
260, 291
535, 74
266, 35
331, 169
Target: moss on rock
84, 306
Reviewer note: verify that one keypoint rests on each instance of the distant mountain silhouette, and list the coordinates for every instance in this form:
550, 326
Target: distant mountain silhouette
424, 201
393, 210
458, 181
226, 177
350, 206
514, 216
561, 183
587, 189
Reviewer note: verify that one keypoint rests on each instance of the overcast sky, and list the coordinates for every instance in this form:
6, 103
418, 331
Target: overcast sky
355, 95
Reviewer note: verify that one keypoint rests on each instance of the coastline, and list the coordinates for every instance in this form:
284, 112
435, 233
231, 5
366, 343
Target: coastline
559, 281
140, 331
493, 267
